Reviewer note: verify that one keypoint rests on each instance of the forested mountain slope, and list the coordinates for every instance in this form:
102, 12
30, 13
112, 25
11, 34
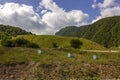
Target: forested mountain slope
105, 31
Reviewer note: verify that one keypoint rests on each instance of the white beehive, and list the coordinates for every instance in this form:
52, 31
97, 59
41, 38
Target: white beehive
39, 51
69, 55
95, 56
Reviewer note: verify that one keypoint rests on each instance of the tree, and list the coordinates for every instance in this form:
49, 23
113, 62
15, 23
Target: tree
75, 43
54, 45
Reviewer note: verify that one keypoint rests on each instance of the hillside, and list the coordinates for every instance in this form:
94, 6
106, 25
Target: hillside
46, 41
105, 31
12, 31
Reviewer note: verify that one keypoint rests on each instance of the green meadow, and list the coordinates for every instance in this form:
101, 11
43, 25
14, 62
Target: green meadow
54, 63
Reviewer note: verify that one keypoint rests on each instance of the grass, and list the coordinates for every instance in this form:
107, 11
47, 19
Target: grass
56, 63
17, 54
46, 41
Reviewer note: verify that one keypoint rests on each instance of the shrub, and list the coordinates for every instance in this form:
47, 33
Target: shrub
54, 45
19, 42
75, 43
7, 43
32, 45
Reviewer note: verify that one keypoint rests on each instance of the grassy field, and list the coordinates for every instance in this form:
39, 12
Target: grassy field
9, 55
46, 41
54, 64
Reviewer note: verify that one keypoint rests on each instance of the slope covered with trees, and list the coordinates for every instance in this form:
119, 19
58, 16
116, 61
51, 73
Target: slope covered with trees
105, 31
6, 31
10, 30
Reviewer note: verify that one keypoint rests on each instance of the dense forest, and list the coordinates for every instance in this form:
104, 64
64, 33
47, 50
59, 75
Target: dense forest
7, 31
12, 30
105, 31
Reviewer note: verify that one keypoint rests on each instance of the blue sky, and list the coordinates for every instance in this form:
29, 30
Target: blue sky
49, 16
84, 5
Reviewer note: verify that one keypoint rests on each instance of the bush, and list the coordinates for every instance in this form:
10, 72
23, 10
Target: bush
54, 45
19, 42
32, 45
7, 43
75, 43
4, 36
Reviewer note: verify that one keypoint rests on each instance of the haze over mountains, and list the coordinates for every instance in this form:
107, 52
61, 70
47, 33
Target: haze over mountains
105, 31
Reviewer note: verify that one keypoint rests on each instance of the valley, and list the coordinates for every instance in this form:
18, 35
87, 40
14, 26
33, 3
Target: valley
68, 55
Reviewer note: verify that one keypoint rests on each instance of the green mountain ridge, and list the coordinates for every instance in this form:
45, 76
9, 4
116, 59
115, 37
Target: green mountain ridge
105, 31
44, 41
11, 30
6, 31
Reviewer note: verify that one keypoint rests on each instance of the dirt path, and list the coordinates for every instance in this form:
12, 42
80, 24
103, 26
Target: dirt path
103, 51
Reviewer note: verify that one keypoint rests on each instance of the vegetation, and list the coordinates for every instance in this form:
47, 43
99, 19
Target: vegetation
54, 45
19, 57
12, 30
6, 32
48, 41
19, 42
54, 63
75, 43
105, 31
4, 36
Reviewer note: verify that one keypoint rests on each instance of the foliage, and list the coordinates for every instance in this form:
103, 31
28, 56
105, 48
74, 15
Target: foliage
13, 31
105, 31
92, 78
7, 43
54, 45
75, 43
4, 36
19, 42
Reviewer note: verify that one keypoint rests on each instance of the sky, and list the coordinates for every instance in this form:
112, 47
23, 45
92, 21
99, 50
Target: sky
49, 16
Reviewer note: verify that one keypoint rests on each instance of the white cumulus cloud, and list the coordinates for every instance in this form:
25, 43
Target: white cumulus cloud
106, 3
22, 16
57, 18
51, 18
107, 8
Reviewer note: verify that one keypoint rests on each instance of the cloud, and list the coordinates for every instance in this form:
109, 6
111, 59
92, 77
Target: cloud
94, 4
106, 4
50, 19
107, 8
43, 11
57, 18
22, 16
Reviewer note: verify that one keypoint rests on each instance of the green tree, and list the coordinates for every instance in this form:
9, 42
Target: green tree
75, 43
54, 45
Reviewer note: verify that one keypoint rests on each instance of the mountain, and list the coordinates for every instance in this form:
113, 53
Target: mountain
10, 30
7, 31
105, 31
